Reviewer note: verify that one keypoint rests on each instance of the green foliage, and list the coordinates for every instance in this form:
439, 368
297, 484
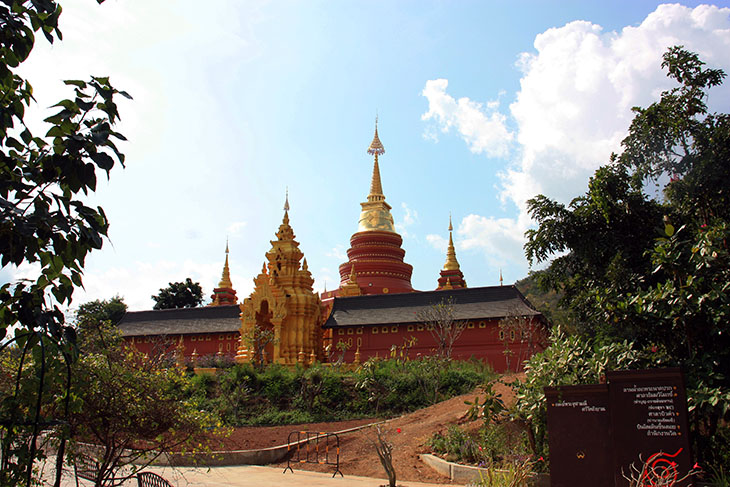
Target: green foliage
274, 394
489, 409
568, 360
100, 310
494, 444
45, 222
186, 294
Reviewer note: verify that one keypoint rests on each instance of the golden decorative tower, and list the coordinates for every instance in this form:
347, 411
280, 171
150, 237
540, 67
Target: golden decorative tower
283, 301
224, 294
451, 275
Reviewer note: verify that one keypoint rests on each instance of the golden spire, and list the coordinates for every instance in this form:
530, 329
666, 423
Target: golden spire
451, 263
500, 276
226, 277
285, 231
375, 214
376, 149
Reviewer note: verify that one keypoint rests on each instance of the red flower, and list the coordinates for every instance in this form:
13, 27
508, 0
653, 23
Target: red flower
654, 349
397, 430
697, 466
541, 459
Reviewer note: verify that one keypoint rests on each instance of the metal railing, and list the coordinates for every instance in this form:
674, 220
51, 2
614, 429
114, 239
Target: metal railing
311, 447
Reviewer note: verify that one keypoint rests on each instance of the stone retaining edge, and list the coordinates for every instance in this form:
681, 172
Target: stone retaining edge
264, 456
466, 473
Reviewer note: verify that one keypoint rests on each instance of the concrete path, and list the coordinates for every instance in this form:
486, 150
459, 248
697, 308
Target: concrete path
256, 476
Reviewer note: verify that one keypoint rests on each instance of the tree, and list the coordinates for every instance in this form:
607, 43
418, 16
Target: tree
100, 310
256, 339
186, 294
131, 406
441, 321
524, 331
44, 222
656, 271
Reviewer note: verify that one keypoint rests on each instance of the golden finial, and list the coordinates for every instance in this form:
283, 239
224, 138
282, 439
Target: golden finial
376, 147
353, 275
305, 267
286, 202
500, 276
451, 263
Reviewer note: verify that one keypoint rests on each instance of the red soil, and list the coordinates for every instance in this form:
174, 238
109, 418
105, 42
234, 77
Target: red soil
408, 434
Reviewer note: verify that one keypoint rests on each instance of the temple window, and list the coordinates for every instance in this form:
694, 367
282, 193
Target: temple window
482, 324
359, 331
394, 329
340, 332
384, 329
410, 328
470, 325
375, 330
350, 331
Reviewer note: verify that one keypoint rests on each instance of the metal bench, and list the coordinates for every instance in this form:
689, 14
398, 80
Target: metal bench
151, 479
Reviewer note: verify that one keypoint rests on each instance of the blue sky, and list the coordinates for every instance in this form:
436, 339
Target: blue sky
481, 106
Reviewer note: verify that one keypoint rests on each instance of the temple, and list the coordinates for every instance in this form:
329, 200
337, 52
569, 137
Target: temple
284, 303
373, 310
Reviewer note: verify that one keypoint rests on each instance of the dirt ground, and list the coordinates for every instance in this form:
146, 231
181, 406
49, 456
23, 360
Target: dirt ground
407, 433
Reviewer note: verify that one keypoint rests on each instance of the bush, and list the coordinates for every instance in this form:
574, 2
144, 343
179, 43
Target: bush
496, 444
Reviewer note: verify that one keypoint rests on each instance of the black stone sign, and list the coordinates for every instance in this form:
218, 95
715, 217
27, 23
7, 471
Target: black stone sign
649, 418
578, 436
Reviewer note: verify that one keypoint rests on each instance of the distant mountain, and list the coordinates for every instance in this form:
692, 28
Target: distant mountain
547, 302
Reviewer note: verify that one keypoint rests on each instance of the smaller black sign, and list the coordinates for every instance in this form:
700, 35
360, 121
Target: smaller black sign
578, 433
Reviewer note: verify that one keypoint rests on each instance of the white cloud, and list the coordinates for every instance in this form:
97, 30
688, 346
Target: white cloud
574, 107
338, 252
235, 228
501, 239
143, 279
437, 241
482, 127
574, 104
410, 217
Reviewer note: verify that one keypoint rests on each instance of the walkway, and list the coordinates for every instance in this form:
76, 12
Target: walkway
252, 475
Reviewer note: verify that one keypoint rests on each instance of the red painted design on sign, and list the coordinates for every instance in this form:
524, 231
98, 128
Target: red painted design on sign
660, 470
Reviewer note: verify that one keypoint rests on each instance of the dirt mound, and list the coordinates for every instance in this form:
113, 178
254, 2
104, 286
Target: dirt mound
408, 434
